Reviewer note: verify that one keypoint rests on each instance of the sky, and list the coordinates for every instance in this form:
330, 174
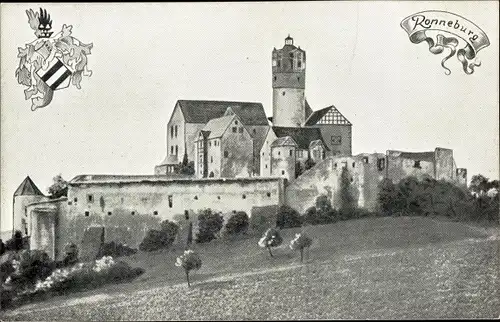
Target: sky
147, 56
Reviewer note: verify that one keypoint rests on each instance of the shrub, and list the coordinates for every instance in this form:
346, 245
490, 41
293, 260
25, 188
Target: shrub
288, 217
115, 249
237, 224
271, 238
87, 275
300, 242
158, 239
70, 254
209, 224
2, 247
16, 243
188, 261
33, 265
263, 218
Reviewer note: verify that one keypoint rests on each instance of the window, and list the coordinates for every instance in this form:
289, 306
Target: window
218, 197
25, 226
279, 153
299, 65
155, 213
132, 213
254, 131
186, 214
240, 130
381, 164
235, 129
226, 154
291, 152
195, 197
75, 200
87, 213
336, 139
109, 213
365, 159
170, 201
283, 93
172, 131
211, 160
354, 164
301, 153
282, 171
244, 196
262, 153
90, 198
172, 149
417, 164
274, 78
335, 165
279, 64
236, 122
269, 194
209, 143
352, 179
176, 150
176, 131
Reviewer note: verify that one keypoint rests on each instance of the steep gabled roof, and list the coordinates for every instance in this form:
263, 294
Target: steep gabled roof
301, 135
249, 114
309, 110
204, 111
284, 141
334, 117
217, 127
28, 187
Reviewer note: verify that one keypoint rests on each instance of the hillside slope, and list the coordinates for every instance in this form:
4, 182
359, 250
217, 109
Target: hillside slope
406, 267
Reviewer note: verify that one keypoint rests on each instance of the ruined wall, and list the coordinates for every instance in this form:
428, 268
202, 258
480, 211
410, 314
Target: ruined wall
444, 164
239, 146
128, 210
399, 167
363, 176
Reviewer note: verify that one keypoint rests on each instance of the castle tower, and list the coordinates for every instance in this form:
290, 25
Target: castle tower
289, 79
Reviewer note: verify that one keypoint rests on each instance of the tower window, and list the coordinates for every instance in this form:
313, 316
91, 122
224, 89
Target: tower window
186, 214
266, 166
283, 93
75, 200
172, 149
155, 213
268, 194
90, 198
209, 143
176, 150
132, 213
235, 129
176, 131
226, 154
282, 171
170, 201
172, 131
353, 164
109, 213
417, 164
244, 196
87, 213
211, 160
279, 153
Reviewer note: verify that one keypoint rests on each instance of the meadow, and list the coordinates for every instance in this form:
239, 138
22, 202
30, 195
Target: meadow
373, 268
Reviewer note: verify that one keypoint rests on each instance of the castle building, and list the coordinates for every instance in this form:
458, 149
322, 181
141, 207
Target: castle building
242, 161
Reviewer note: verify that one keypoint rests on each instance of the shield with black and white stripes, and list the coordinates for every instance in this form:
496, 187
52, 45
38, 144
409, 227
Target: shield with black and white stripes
56, 75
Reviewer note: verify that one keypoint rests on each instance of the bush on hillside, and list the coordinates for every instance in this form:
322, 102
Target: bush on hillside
31, 266
262, 218
209, 224
115, 249
70, 254
237, 224
2, 247
288, 217
158, 239
17, 242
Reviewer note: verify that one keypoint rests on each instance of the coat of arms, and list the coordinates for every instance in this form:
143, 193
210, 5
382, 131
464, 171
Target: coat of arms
50, 63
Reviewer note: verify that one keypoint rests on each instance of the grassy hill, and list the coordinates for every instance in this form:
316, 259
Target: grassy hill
405, 267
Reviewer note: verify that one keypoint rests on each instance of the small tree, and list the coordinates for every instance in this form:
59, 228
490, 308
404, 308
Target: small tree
300, 242
59, 188
188, 261
271, 238
16, 243
70, 254
309, 162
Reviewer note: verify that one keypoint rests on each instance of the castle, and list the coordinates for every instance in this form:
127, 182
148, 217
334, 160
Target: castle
241, 161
